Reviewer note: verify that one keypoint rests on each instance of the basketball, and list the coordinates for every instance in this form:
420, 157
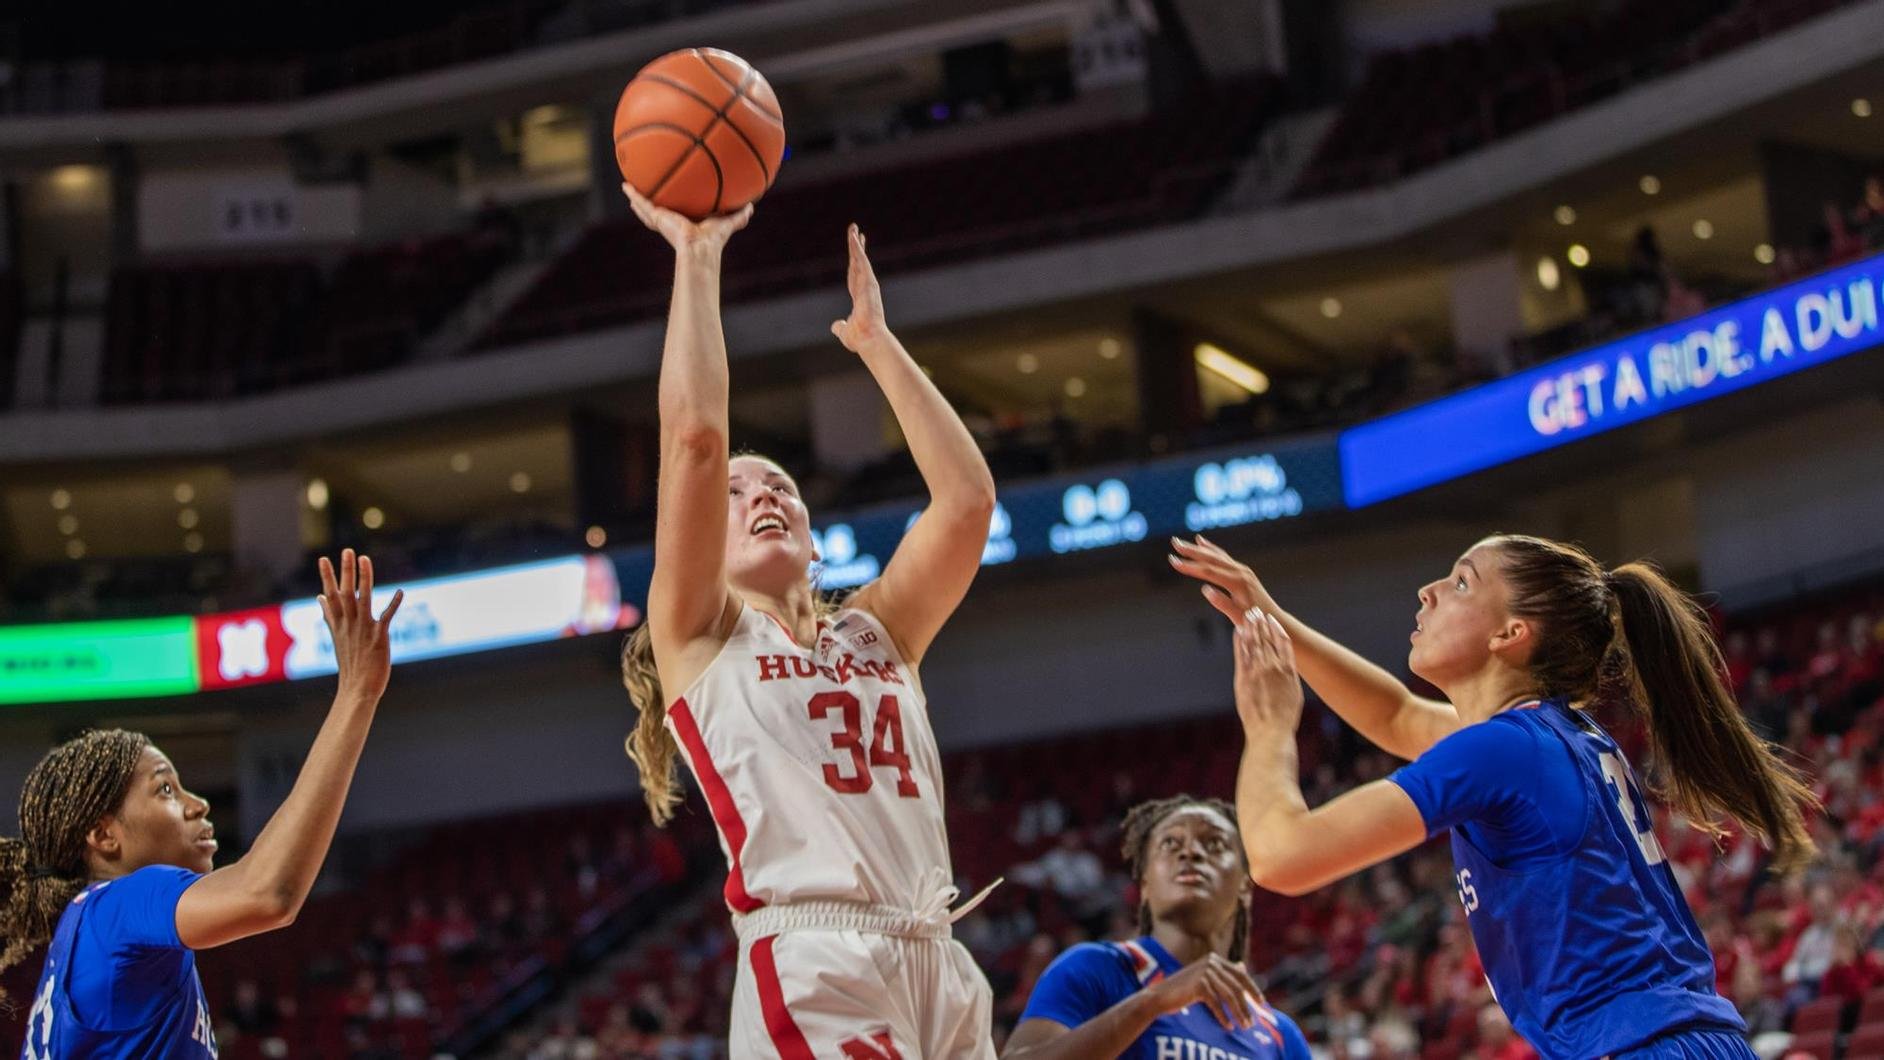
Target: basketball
699, 131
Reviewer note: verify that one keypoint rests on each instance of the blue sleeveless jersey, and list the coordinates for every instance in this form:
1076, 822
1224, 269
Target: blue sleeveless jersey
1092, 977
118, 983
1582, 929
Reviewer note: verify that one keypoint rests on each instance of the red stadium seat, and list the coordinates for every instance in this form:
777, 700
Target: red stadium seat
1825, 1014
1819, 1045
1866, 1043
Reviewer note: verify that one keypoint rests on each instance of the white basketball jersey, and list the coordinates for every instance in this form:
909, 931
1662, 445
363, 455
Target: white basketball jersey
819, 765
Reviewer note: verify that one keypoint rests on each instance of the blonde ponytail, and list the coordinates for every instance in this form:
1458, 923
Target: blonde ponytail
651, 746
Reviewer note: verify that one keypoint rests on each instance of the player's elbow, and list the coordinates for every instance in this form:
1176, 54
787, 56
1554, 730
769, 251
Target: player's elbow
1283, 883
975, 502
1273, 870
968, 497
693, 439
276, 908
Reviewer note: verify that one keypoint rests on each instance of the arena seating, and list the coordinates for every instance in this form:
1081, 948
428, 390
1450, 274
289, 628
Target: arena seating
156, 63
443, 932
196, 331
1159, 169
1420, 106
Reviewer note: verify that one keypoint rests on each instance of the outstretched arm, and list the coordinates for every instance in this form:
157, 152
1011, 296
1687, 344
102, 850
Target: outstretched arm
687, 595
264, 890
1366, 696
1293, 849
931, 571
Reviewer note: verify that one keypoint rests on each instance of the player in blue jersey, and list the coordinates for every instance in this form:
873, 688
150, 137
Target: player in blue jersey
114, 864
1179, 991
1584, 933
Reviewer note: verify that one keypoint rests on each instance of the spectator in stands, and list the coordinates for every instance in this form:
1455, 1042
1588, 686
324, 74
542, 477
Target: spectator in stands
251, 1012
1181, 987
418, 938
567, 1042
459, 938
1837, 242
1070, 871
1812, 952
579, 865
374, 947
1496, 1040
1855, 971
1040, 818
1870, 214
365, 1002
1344, 1026
504, 928
1648, 277
540, 918
402, 1001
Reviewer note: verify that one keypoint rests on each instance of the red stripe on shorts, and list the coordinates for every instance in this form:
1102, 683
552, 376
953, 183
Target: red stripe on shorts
719, 800
786, 1036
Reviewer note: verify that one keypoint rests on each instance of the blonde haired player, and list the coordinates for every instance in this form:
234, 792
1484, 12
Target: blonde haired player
806, 726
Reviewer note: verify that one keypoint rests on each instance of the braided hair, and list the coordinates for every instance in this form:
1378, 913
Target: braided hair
76, 785
1135, 839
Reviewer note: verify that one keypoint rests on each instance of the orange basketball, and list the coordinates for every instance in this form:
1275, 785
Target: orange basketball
699, 132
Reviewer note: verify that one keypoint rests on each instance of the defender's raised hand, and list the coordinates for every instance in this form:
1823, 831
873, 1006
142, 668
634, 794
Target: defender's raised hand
362, 643
1268, 688
865, 323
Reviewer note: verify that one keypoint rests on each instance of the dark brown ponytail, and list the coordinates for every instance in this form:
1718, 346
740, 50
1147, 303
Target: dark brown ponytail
1714, 762
1633, 632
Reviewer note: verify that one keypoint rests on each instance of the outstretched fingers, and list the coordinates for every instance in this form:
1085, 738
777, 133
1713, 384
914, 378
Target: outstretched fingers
348, 576
329, 588
385, 620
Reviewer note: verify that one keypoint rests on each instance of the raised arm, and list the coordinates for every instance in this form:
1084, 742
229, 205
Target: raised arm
264, 890
1367, 697
1292, 849
687, 596
931, 571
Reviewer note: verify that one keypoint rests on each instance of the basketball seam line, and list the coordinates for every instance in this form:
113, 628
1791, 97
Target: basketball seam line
740, 87
678, 162
739, 93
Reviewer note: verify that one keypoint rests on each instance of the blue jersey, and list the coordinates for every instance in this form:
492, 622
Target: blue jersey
1585, 937
118, 983
1092, 977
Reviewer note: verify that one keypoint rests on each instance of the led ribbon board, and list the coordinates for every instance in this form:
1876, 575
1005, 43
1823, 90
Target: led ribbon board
491, 609
1743, 344
97, 660
1234, 487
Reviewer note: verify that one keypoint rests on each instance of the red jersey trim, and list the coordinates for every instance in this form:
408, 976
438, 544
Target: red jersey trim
720, 801
786, 1037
